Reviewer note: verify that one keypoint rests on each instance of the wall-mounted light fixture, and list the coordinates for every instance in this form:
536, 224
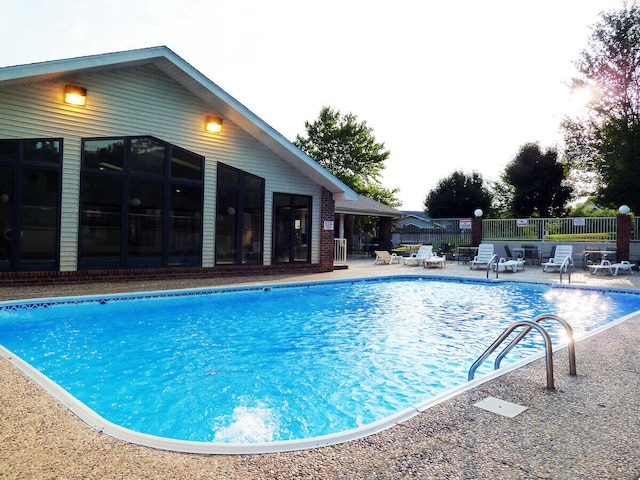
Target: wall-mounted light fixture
75, 95
213, 124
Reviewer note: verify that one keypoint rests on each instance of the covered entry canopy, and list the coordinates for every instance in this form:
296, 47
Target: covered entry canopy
366, 207
363, 206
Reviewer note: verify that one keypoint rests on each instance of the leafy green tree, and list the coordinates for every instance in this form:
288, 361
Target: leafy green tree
458, 195
348, 149
538, 181
603, 145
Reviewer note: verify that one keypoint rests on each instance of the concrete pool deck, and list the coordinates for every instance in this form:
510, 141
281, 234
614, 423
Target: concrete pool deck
589, 427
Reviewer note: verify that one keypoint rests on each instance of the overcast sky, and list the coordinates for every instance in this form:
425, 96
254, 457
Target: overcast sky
457, 85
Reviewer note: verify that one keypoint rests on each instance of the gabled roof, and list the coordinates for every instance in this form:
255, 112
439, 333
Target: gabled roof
366, 206
195, 82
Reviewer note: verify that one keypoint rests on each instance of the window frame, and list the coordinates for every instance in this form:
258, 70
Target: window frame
130, 176
14, 245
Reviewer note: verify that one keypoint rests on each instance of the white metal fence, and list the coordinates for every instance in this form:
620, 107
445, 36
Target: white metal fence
589, 229
339, 251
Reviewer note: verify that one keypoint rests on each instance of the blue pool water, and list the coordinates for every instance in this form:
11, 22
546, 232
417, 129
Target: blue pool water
282, 362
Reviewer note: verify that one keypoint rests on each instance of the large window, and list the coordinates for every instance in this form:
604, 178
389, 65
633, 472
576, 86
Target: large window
30, 186
140, 204
292, 228
239, 217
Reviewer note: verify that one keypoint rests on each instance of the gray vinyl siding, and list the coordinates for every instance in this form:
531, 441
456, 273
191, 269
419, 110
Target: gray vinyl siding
141, 100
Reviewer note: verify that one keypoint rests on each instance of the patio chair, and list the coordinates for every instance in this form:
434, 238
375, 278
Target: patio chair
604, 265
424, 252
560, 255
484, 256
624, 265
385, 257
507, 251
531, 254
435, 261
512, 265
544, 257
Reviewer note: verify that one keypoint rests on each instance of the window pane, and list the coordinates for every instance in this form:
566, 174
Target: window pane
252, 227
39, 228
185, 225
107, 155
185, 164
100, 221
226, 226
6, 203
292, 228
227, 175
301, 228
282, 227
147, 156
146, 214
8, 151
47, 151
251, 181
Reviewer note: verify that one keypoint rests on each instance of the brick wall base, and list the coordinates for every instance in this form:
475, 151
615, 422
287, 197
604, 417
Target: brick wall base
44, 278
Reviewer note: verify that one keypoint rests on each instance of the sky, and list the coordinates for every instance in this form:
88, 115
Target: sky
445, 85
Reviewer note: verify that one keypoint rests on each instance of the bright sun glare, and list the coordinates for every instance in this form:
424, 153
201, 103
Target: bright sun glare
580, 99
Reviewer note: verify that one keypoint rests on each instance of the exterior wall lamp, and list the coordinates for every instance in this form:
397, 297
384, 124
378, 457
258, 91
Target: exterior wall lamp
213, 124
75, 95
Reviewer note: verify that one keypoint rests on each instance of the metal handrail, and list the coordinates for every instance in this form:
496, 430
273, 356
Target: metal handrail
505, 334
569, 263
570, 345
490, 262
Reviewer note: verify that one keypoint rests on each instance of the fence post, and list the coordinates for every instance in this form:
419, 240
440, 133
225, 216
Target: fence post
476, 231
623, 237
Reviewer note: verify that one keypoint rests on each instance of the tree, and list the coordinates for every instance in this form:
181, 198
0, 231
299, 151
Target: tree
538, 183
458, 195
602, 146
348, 149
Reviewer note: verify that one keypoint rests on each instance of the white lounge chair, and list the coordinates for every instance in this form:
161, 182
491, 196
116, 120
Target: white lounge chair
386, 257
624, 265
435, 261
424, 252
560, 255
512, 265
604, 265
484, 256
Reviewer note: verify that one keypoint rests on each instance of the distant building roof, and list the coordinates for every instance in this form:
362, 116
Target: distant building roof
366, 206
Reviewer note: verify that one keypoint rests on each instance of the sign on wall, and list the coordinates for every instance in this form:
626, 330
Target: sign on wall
465, 223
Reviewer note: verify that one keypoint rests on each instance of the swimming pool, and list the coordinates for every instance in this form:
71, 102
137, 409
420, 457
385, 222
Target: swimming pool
269, 368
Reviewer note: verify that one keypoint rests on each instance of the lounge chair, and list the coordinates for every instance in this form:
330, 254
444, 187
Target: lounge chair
386, 257
604, 265
512, 265
484, 256
424, 252
624, 265
560, 255
435, 261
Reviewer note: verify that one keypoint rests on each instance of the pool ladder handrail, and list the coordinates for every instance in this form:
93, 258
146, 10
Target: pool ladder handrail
568, 261
490, 264
530, 324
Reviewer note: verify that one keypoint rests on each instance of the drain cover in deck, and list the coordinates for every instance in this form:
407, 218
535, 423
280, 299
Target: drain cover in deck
501, 407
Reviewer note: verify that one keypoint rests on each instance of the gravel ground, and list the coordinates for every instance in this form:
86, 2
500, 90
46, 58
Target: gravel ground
588, 428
